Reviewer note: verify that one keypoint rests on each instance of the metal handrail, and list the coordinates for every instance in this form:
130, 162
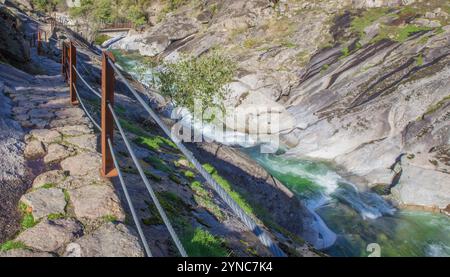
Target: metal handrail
248, 221
160, 209
86, 83
86, 111
130, 203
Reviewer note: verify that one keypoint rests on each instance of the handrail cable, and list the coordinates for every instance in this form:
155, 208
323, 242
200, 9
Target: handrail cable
160, 209
86, 111
260, 233
130, 203
87, 85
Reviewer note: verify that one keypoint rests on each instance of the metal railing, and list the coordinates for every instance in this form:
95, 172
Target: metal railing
110, 166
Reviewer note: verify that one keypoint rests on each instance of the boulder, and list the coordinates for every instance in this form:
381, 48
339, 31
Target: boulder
50, 235
45, 202
110, 240
34, 150
55, 153
46, 136
87, 142
423, 187
74, 130
54, 177
82, 164
96, 201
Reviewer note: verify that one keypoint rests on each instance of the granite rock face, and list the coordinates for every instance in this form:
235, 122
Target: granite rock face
358, 100
13, 47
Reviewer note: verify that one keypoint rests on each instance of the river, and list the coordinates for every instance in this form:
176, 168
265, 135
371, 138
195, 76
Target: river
352, 223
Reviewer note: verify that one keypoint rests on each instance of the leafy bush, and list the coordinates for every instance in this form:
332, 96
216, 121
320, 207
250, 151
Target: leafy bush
203, 79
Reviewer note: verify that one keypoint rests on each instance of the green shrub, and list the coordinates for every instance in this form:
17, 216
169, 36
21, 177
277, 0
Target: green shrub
201, 79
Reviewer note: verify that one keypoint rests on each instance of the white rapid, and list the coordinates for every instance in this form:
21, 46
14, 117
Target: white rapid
347, 220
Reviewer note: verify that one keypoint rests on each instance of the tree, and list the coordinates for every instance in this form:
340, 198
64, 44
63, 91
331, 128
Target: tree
197, 79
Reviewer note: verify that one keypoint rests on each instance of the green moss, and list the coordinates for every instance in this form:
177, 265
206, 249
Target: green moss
171, 202
419, 60
367, 18
175, 179
424, 40
55, 216
131, 127
203, 198
189, 174
66, 195
288, 44
181, 162
158, 164
209, 168
227, 187
302, 58
433, 108
48, 186
152, 176
405, 32
345, 52
154, 143
201, 243
153, 220
251, 43
325, 67
10, 245
109, 218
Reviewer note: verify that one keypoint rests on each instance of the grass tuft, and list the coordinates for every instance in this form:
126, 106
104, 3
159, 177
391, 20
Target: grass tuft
201, 243
10, 245
28, 220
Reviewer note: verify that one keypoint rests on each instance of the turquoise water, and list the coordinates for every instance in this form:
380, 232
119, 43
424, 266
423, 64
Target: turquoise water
352, 220
359, 219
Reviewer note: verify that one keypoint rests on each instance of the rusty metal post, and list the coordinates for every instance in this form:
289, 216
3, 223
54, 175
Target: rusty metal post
73, 76
108, 87
39, 43
63, 59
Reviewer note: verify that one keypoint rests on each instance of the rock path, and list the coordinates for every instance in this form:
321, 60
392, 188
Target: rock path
72, 210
